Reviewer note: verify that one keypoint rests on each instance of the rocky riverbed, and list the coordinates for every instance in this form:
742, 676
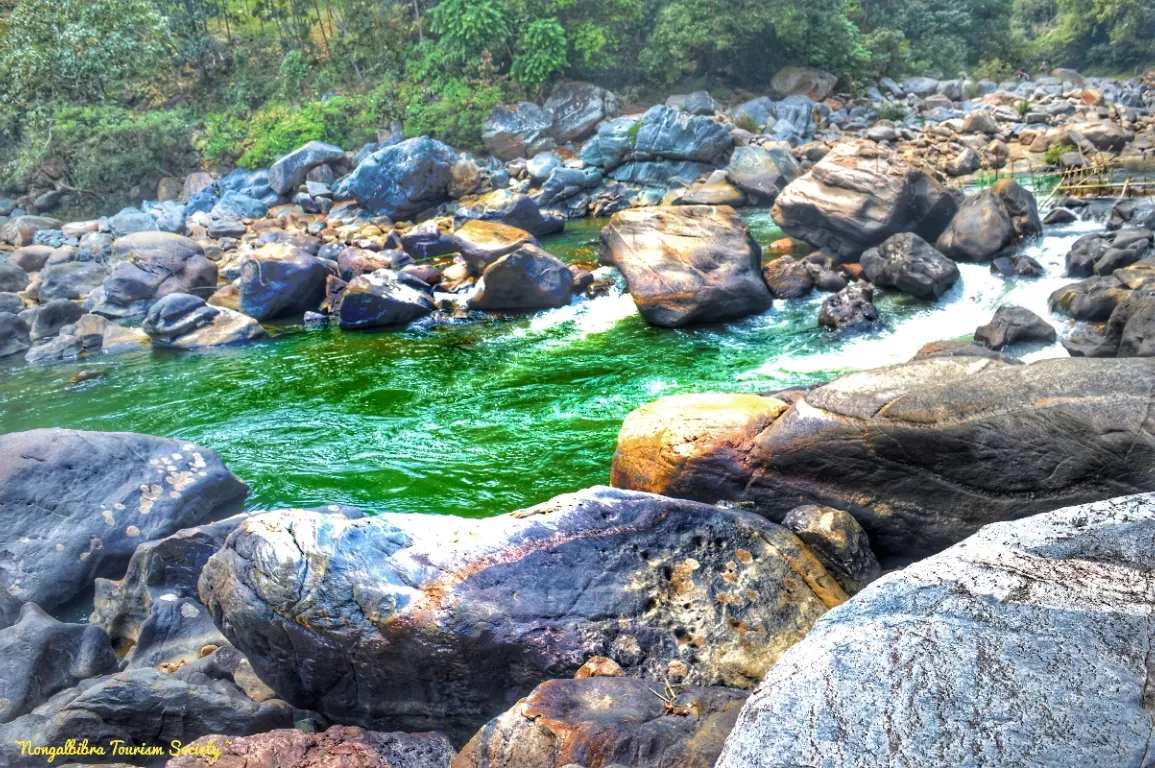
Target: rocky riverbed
798, 447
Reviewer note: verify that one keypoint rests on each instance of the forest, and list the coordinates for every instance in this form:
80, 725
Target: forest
110, 90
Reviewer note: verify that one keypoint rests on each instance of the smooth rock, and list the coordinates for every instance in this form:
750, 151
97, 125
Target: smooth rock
279, 280
384, 298
991, 221
528, 278
1013, 325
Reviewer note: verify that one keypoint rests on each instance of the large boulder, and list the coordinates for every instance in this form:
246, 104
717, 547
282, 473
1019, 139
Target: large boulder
384, 298
402, 180
186, 322
279, 280
1103, 253
15, 335
528, 278
995, 219
922, 454
338, 747
150, 266
425, 621
1130, 331
859, 195
75, 505
850, 309
1024, 645
71, 280
13, 278
40, 656
514, 209
520, 130
603, 721
803, 81
677, 135
762, 174
482, 242
577, 109
687, 264
912, 265
290, 171
1013, 325
613, 143
21, 230
1093, 299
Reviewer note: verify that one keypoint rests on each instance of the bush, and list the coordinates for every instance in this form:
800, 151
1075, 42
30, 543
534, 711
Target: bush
891, 111
542, 55
105, 150
745, 121
1054, 154
455, 113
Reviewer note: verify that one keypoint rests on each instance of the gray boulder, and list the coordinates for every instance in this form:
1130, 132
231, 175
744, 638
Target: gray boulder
425, 620
910, 264
30, 258
762, 174
528, 278
1093, 299
384, 298
520, 130
577, 108
122, 489
988, 223
71, 280
11, 303
21, 230
40, 656
966, 162
512, 208
839, 542
236, 206
280, 280
813, 83
130, 221
1023, 645
51, 316
1013, 325
675, 135
850, 309
13, 278
401, 180
1102, 254
613, 143
150, 266
290, 171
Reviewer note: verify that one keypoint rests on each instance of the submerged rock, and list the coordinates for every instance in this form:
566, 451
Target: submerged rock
851, 309
338, 747
427, 621
1023, 645
122, 489
922, 454
603, 721
687, 264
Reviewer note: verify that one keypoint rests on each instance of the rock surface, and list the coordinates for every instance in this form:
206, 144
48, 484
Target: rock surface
384, 298
1012, 325
687, 264
402, 180
1027, 645
430, 621
851, 309
991, 221
528, 278
910, 264
279, 280
603, 721
922, 454
338, 747
123, 489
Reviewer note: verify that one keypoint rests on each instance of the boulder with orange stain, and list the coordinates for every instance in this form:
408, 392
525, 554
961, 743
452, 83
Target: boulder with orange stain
922, 454
600, 722
427, 622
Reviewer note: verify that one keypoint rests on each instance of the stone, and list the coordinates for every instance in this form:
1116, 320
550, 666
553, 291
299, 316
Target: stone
806, 81
700, 103
427, 240
1093, 299
980, 121
686, 264
577, 108
10, 303
762, 174
145, 707
31, 258
483, 242
1057, 216
965, 163
514, 209
603, 721
403, 607
117, 339
150, 266
859, 195
1104, 135
991, 221
1130, 330
675, 135
338, 747
13, 278
1013, 325
528, 278
40, 656
54, 350
71, 280
54, 315
401, 180
925, 453
520, 130
714, 190
465, 177
280, 280
186, 322
1038, 624
851, 309
123, 489
354, 262
21, 230
839, 542
910, 264
237, 206
962, 349
384, 298
788, 278
290, 171
1125, 212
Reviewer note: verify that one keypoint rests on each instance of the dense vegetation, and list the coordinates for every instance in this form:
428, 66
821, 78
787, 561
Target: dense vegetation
108, 91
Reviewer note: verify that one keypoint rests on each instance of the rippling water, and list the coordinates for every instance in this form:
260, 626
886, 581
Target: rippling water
483, 418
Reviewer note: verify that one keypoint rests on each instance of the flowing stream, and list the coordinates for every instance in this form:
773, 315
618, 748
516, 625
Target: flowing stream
482, 418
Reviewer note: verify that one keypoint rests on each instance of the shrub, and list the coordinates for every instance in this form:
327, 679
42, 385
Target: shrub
891, 111
455, 113
745, 121
1023, 107
468, 27
542, 54
1054, 154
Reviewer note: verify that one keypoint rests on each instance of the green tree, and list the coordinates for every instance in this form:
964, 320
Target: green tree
468, 27
542, 53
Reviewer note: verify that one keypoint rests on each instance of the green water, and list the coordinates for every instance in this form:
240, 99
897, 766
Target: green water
470, 419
